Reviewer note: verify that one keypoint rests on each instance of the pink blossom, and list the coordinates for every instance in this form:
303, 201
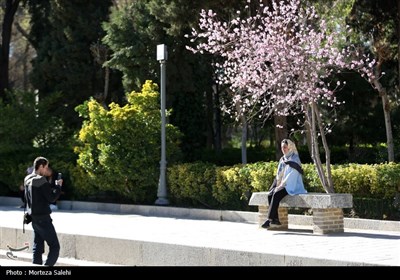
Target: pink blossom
277, 58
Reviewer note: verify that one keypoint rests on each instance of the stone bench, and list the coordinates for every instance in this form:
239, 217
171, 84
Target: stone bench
327, 209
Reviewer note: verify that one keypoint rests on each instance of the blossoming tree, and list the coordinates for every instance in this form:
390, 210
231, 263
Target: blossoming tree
280, 61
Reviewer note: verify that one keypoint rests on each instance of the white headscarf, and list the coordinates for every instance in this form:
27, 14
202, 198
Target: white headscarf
291, 148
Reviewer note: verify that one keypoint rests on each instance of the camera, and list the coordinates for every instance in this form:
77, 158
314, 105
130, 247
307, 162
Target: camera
59, 176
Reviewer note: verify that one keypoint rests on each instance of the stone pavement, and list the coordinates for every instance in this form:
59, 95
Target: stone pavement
93, 237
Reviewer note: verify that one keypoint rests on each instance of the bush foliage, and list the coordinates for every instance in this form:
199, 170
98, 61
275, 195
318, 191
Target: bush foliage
119, 148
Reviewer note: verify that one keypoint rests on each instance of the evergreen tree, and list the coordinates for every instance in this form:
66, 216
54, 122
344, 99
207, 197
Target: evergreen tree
133, 33
62, 32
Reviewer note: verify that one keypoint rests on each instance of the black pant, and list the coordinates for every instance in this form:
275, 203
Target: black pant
43, 230
274, 198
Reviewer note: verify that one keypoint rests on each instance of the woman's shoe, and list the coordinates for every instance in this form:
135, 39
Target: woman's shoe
266, 224
275, 223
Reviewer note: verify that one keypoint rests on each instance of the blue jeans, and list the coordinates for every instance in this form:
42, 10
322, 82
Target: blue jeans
43, 230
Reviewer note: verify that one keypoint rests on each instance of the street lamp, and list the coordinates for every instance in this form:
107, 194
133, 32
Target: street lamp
162, 186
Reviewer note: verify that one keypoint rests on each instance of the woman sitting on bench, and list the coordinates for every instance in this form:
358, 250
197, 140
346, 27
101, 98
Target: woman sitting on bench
289, 180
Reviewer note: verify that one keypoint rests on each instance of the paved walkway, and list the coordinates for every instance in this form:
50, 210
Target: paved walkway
221, 243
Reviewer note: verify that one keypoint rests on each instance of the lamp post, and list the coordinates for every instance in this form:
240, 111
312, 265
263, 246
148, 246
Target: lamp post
162, 186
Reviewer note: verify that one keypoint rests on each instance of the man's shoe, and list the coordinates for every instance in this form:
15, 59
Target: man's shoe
266, 224
275, 223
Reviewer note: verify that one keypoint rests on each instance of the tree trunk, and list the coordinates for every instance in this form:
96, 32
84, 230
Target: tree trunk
244, 134
218, 122
312, 120
25, 83
398, 45
328, 176
10, 10
280, 123
210, 119
386, 110
244, 140
388, 122
106, 83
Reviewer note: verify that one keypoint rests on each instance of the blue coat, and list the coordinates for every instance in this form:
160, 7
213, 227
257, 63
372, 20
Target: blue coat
291, 178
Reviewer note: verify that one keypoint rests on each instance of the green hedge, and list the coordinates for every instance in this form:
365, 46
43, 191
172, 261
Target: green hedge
210, 186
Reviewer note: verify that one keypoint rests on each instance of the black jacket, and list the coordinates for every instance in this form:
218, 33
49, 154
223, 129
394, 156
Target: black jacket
39, 194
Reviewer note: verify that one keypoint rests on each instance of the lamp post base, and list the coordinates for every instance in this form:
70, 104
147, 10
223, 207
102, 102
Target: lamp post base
162, 201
